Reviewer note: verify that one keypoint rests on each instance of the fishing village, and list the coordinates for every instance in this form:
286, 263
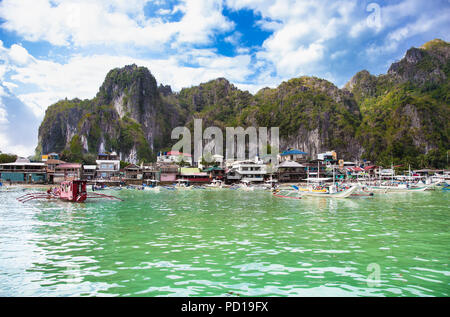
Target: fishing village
224, 149
294, 176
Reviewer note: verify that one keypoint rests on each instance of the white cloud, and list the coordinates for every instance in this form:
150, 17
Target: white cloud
3, 115
19, 55
426, 22
83, 23
9, 85
303, 41
301, 30
6, 146
234, 38
81, 76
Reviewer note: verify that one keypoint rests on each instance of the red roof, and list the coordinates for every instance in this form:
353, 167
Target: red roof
178, 153
371, 167
355, 169
69, 165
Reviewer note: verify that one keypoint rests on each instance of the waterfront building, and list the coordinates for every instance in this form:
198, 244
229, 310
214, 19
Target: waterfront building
215, 172
23, 171
50, 156
168, 173
151, 171
328, 156
67, 172
370, 171
133, 171
217, 160
51, 165
193, 175
293, 155
315, 166
174, 157
290, 171
251, 171
89, 172
108, 165
427, 172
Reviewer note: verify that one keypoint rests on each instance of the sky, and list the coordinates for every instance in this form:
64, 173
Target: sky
56, 49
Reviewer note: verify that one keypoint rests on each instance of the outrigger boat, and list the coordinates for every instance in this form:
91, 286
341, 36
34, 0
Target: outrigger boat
322, 190
245, 186
362, 191
183, 184
400, 188
289, 192
152, 185
71, 191
331, 192
215, 184
406, 184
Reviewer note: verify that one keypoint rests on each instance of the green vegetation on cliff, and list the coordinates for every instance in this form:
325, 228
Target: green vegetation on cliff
400, 117
406, 112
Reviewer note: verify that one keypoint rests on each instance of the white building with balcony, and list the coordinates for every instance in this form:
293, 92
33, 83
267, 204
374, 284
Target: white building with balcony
173, 157
108, 165
252, 171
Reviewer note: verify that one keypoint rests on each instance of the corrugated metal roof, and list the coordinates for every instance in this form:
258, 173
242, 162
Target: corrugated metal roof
22, 164
69, 165
290, 164
292, 152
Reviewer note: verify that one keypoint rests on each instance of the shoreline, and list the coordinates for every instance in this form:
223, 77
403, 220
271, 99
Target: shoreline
26, 186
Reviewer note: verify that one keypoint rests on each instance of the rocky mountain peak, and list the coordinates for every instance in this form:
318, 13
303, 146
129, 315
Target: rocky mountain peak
402, 114
131, 80
424, 65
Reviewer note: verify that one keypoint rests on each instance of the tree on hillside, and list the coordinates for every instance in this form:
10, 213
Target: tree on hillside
7, 158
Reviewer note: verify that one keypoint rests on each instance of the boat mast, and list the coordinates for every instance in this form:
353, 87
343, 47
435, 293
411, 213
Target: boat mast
392, 166
333, 174
379, 174
318, 168
307, 175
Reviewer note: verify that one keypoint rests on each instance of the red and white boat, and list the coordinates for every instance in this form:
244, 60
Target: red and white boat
71, 191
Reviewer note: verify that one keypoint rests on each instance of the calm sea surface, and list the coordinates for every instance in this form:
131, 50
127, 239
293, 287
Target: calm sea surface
211, 243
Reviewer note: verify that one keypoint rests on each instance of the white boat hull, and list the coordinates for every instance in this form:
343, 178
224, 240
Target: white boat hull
343, 194
152, 189
392, 189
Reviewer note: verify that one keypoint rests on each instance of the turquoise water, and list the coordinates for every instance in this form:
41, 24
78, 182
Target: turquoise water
211, 243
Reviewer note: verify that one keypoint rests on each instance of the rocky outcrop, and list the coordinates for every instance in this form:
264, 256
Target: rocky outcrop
313, 115
423, 66
401, 114
405, 112
60, 125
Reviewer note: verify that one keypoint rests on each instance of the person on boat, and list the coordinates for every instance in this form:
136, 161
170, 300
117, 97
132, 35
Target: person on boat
49, 190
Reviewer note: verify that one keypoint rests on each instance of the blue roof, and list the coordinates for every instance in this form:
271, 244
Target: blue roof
292, 152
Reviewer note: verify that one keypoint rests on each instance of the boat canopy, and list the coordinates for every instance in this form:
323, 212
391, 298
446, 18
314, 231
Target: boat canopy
290, 164
292, 152
318, 180
214, 168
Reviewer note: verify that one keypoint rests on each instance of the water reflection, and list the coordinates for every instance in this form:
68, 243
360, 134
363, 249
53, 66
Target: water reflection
214, 242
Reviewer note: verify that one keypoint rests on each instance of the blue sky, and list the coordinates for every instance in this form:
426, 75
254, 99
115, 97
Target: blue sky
54, 49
